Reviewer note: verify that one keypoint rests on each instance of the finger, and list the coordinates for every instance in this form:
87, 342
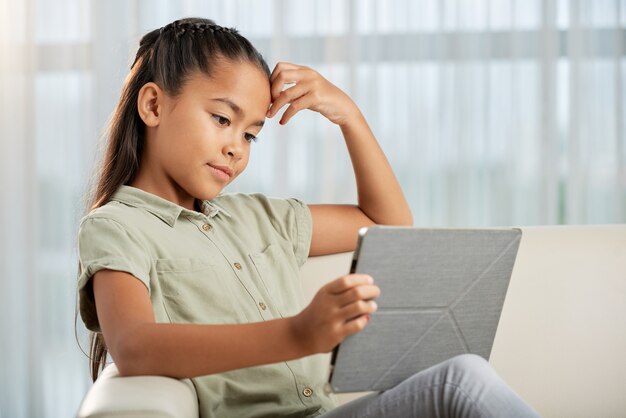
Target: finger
358, 308
284, 77
346, 282
356, 325
360, 292
287, 96
281, 66
303, 102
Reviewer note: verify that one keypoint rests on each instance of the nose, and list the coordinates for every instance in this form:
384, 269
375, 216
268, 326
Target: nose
233, 146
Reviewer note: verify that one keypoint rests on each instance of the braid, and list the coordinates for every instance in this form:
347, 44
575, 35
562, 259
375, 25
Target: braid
180, 28
167, 54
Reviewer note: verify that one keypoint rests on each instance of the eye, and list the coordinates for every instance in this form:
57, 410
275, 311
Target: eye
221, 120
250, 138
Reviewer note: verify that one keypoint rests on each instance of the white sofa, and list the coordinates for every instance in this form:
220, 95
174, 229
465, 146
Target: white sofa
560, 343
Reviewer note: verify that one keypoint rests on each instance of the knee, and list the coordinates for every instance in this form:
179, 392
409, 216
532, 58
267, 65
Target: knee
468, 361
468, 368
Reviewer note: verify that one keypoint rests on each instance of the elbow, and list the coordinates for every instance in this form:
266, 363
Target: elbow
404, 220
407, 221
408, 218
130, 357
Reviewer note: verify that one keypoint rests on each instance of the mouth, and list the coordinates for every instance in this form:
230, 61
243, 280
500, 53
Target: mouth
222, 172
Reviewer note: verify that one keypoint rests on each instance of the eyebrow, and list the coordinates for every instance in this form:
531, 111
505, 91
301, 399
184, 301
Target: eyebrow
236, 108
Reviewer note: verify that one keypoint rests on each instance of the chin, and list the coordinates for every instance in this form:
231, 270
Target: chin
207, 189
209, 193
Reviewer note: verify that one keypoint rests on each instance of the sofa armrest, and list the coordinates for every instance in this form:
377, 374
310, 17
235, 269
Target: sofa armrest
126, 397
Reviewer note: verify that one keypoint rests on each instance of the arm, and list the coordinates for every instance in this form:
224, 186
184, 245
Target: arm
380, 197
140, 346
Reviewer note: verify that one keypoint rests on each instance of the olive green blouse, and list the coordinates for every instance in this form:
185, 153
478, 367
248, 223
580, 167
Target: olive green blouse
237, 261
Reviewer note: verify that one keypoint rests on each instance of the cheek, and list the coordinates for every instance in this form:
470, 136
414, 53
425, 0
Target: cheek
244, 160
185, 151
242, 164
181, 137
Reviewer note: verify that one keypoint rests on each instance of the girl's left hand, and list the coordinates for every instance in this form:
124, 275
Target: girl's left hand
311, 91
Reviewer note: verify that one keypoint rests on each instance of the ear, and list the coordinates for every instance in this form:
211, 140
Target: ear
150, 103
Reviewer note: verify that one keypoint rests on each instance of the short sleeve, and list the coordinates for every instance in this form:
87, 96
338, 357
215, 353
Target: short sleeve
302, 231
106, 244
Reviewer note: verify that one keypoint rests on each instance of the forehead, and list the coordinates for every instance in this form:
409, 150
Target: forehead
242, 82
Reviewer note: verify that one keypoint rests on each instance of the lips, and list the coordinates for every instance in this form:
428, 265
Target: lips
223, 168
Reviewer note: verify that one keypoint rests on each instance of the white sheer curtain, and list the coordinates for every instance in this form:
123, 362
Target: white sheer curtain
492, 112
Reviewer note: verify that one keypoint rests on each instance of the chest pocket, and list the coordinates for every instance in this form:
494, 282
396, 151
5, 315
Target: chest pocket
194, 292
280, 277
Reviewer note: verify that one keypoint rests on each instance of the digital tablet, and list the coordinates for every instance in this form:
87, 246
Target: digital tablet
442, 292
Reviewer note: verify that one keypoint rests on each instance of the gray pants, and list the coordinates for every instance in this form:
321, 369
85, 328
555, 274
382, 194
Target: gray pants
464, 386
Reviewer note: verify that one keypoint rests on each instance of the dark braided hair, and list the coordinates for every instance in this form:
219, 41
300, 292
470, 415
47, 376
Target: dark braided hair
166, 56
181, 26
182, 46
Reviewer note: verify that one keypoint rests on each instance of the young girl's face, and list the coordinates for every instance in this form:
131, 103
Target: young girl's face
203, 138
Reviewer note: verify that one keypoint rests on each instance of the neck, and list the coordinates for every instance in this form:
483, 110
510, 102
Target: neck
150, 181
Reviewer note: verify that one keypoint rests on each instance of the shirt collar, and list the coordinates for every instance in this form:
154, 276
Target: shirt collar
163, 208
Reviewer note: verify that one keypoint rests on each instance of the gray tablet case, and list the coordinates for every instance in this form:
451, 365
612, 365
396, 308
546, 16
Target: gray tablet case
442, 292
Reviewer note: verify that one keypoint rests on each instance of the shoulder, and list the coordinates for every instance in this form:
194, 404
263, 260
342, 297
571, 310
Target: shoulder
289, 218
115, 212
113, 222
235, 200
114, 231
245, 203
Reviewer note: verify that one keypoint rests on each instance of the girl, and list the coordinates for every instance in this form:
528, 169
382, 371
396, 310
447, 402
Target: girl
183, 281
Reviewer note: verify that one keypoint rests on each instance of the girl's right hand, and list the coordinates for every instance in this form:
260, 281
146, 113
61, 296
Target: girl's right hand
340, 308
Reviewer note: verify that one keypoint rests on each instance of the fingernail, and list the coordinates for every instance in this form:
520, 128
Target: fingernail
367, 317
